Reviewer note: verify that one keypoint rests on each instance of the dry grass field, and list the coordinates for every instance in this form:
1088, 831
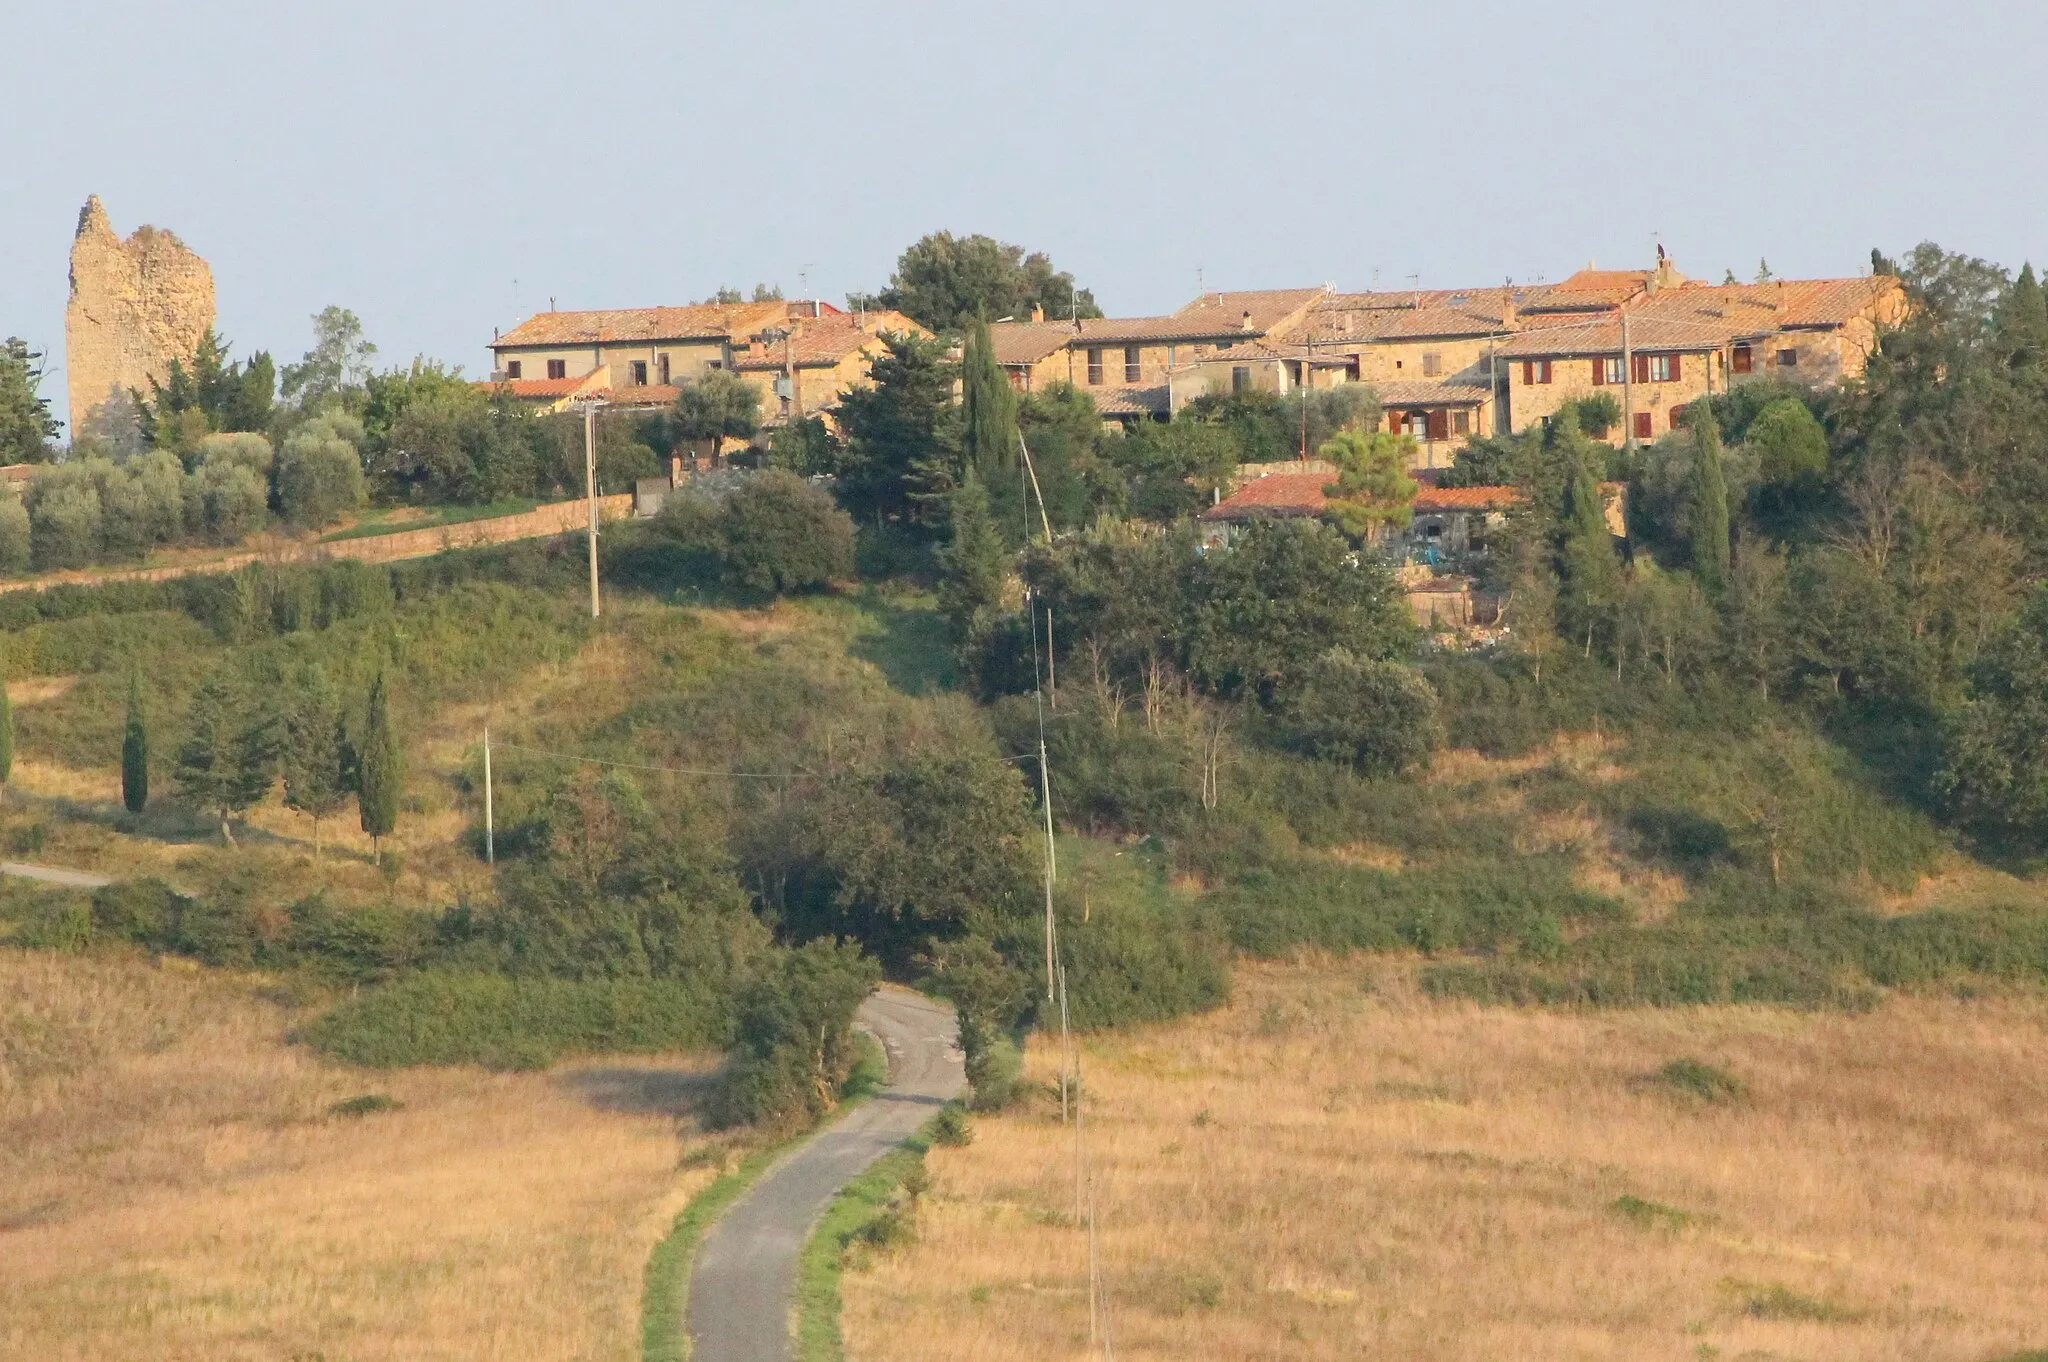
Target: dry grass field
176, 1183
1336, 1167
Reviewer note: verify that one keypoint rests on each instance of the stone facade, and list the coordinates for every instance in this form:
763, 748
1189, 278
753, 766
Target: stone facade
136, 305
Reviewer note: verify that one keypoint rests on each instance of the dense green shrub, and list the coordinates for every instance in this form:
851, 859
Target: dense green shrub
793, 1037
1376, 716
502, 1023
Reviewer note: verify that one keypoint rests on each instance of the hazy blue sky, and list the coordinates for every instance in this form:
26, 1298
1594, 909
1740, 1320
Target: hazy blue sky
445, 168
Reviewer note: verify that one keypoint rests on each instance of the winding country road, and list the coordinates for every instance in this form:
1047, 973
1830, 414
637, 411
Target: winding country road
741, 1285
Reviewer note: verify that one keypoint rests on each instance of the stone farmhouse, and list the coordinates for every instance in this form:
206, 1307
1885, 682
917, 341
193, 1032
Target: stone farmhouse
802, 356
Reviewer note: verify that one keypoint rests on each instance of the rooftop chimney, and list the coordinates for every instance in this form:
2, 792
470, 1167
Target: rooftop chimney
1037, 312
1507, 305
1246, 323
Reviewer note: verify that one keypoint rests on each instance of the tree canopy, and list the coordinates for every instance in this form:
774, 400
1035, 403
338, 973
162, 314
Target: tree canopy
943, 282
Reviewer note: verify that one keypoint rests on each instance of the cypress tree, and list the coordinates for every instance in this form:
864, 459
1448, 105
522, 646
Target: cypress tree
974, 562
378, 770
989, 440
1589, 574
1707, 516
135, 751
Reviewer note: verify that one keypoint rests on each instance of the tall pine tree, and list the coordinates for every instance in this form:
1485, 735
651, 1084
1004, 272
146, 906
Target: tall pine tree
229, 756
1707, 513
315, 775
989, 438
379, 772
135, 751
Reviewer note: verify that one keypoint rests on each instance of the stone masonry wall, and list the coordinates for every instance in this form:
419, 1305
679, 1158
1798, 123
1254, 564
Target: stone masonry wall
135, 306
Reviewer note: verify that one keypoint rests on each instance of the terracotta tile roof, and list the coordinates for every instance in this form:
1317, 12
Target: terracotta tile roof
1222, 313
1365, 317
1130, 401
535, 389
820, 344
1028, 342
1436, 499
1758, 309
642, 394
1429, 393
627, 326
1589, 291
1602, 336
1277, 496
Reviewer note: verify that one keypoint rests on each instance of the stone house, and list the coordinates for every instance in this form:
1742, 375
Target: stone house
644, 346
1126, 363
1671, 340
806, 368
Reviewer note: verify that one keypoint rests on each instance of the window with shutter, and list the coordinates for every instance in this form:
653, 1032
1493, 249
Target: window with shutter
664, 370
1439, 425
1432, 364
1461, 423
639, 373
1677, 363
1528, 373
1095, 366
1134, 364
1678, 417
1741, 360
1641, 368
511, 368
558, 368
1644, 429
1599, 372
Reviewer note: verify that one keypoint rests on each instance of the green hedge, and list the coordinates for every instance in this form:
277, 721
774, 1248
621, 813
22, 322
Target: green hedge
504, 1023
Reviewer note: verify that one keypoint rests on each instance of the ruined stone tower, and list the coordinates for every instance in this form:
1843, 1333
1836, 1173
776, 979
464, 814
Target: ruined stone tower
135, 306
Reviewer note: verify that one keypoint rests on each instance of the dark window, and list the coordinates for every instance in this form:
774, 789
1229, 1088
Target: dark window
1461, 423
1134, 364
558, 368
1788, 359
1240, 378
1644, 429
1740, 360
639, 373
511, 368
1432, 364
664, 368
1095, 366
1678, 418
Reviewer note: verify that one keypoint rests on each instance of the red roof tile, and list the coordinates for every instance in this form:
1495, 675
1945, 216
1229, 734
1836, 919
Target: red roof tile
1467, 498
1275, 496
626, 326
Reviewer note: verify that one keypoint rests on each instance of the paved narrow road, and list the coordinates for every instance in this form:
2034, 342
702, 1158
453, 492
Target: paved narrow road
740, 1287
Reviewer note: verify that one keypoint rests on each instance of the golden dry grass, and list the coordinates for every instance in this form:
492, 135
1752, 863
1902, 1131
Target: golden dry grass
1335, 1167
173, 1185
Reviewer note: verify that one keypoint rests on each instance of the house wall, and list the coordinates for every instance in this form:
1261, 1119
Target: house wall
687, 359
1571, 378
